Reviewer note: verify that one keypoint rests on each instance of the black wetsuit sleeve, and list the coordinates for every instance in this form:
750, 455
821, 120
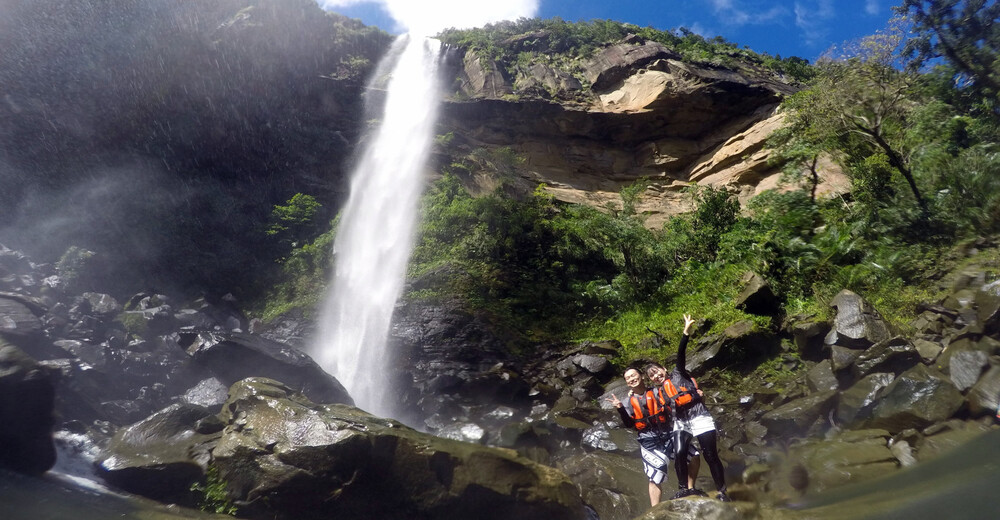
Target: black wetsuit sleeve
626, 420
682, 357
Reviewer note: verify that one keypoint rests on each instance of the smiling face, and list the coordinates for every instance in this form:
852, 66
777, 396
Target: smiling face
657, 375
633, 379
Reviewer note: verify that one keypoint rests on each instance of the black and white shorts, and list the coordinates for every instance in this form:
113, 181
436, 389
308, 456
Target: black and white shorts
654, 463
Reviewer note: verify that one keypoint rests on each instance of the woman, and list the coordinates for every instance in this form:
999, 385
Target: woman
691, 416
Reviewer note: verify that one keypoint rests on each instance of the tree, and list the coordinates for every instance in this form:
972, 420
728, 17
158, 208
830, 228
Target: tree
962, 32
858, 92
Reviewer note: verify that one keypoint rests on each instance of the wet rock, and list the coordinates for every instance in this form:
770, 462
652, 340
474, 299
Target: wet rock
957, 434
596, 365
695, 508
928, 350
17, 320
465, 432
738, 342
235, 356
842, 358
756, 296
601, 348
848, 458
208, 393
821, 378
160, 456
103, 305
613, 484
797, 415
151, 321
965, 367
808, 335
856, 403
277, 444
894, 355
984, 397
27, 402
917, 398
857, 324
93, 356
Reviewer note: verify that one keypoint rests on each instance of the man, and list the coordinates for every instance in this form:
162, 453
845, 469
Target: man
648, 413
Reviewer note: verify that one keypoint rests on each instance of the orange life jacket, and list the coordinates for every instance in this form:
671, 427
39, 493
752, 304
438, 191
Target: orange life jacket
682, 396
648, 410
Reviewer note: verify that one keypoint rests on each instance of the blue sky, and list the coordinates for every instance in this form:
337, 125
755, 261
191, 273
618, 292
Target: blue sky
803, 28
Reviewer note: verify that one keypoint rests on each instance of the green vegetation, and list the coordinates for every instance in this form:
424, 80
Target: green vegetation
920, 149
213, 497
515, 44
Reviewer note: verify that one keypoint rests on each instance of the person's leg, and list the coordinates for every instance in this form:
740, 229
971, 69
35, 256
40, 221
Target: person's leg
693, 466
710, 450
654, 493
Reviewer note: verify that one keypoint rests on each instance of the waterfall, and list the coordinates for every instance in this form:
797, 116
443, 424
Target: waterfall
375, 235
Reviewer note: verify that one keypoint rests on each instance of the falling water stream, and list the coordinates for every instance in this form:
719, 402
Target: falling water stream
376, 229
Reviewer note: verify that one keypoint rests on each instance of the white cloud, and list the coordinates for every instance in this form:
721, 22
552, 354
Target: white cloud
731, 12
431, 16
813, 19
872, 7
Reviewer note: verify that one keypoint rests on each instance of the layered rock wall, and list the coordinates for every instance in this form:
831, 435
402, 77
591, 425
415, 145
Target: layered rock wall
632, 111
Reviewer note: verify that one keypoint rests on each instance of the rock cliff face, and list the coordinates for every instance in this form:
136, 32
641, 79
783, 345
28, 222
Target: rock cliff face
639, 112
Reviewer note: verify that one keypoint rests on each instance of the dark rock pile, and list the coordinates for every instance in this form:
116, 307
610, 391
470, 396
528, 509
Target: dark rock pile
868, 402
180, 398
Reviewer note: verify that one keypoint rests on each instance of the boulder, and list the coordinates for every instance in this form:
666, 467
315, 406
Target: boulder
857, 324
984, 397
613, 484
796, 416
917, 398
929, 350
103, 305
847, 458
965, 367
856, 403
161, 456
842, 358
756, 296
821, 378
699, 508
807, 335
954, 434
27, 402
288, 458
894, 355
616, 62
235, 356
16, 319
482, 78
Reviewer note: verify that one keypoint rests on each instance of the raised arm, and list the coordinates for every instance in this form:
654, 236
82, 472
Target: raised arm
682, 347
